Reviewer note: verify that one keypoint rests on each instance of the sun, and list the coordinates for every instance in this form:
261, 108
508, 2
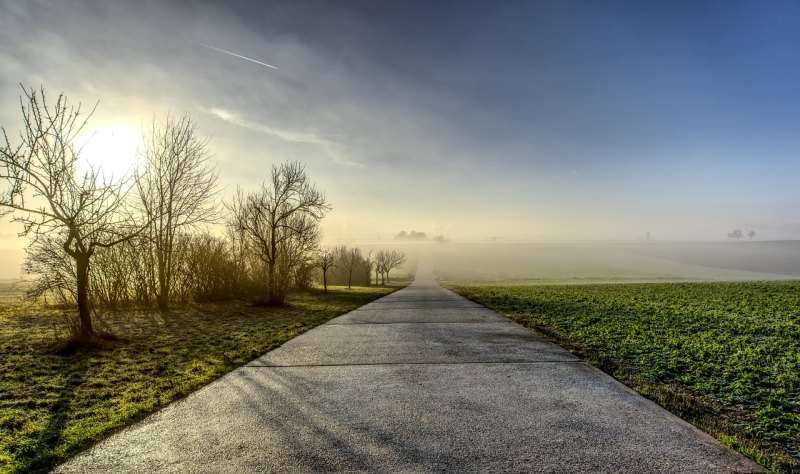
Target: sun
111, 151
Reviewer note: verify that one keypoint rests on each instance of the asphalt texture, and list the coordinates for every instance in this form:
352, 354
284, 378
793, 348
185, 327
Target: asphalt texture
421, 380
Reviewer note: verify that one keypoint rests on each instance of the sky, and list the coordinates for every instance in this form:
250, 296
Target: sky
518, 121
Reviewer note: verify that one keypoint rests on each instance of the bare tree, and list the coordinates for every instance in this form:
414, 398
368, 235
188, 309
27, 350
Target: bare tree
348, 259
43, 192
380, 261
394, 259
176, 190
368, 263
374, 264
385, 261
286, 210
325, 261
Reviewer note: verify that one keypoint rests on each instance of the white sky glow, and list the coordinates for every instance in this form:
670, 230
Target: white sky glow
111, 150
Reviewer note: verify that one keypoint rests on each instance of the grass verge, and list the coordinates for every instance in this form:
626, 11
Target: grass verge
723, 356
52, 406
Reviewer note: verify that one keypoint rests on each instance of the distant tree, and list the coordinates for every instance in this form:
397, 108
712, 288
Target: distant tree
752, 234
347, 260
386, 261
176, 191
380, 261
375, 264
58, 208
396, 259
440, 239
413, 235
368, 262
736, 234
279, 223
325, 262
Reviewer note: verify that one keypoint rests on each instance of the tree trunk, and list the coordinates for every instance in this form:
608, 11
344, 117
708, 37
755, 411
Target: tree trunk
325, 280
163, 288
272, 290
349, 278
162, 294
86, 329
163, 301
273, 256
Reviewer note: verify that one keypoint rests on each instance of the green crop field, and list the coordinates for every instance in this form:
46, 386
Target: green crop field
725, 356
52, 405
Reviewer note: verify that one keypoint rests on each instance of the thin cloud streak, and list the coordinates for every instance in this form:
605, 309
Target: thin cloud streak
290, 136
234, 54
330, 147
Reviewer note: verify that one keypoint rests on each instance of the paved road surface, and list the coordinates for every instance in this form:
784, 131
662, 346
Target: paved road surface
419, 381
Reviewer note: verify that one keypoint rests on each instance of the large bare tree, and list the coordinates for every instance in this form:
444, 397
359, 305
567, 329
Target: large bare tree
278, 220
42, 190
176, 190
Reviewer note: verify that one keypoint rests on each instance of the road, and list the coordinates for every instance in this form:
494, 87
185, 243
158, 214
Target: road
421, 380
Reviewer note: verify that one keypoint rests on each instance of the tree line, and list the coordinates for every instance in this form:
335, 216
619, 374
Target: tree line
345, 265
145, 241
738, 234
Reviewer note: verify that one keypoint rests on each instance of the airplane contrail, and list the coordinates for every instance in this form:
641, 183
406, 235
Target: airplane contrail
234, 54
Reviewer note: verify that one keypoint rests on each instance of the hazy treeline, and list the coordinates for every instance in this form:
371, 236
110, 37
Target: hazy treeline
349, 266
146, 241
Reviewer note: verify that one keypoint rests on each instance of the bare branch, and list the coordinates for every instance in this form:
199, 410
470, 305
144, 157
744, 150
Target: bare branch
39, 185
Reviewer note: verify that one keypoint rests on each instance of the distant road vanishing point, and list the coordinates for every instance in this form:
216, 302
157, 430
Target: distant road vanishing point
421, 380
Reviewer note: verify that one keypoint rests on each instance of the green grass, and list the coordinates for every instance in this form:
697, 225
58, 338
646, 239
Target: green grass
51, 406
725, 356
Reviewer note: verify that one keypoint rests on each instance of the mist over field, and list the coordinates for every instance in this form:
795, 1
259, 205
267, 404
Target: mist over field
560, 262
592, 262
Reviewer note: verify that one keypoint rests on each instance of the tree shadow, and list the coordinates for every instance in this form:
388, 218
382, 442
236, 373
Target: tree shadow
74, 368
